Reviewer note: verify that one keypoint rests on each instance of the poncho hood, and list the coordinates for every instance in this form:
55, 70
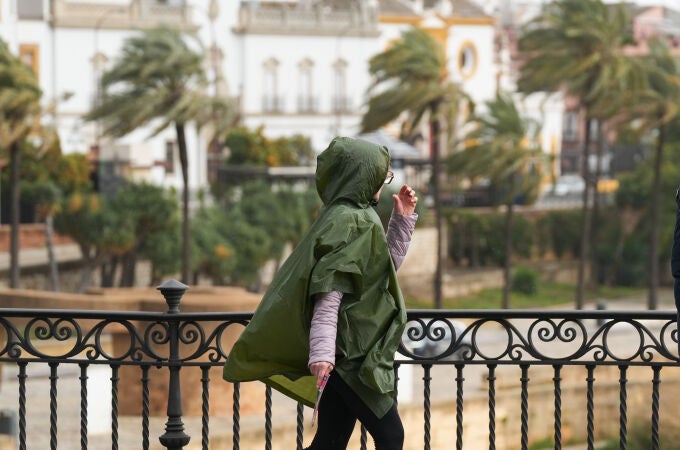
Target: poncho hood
344, 250
351, 170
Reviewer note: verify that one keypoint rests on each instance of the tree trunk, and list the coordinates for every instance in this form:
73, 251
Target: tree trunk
652, 300
474, 247
54, 270
108, 272
155, 278
508, 255
186, 236
434, 145
585, 220
128, 268
15, 161
594, 266
89, 264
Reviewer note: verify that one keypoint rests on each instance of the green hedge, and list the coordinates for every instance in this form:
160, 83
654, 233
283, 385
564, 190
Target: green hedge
622, 256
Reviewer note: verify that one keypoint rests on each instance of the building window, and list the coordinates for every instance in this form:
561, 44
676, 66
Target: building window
169, 157
570, 131
594, 128
305, 86
340, 99
467, 60
271, 102
29, 55
30, 10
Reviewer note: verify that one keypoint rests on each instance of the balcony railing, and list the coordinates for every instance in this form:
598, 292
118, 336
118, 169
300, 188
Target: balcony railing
115, 15
272, 104
307, 104
272, 18
341, 104
488, 377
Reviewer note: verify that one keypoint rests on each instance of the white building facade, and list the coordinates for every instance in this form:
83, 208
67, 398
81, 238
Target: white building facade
296, 67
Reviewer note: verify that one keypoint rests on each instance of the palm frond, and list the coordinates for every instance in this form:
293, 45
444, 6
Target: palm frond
154, 78
502, 150
19, 98
574, 43
409, 77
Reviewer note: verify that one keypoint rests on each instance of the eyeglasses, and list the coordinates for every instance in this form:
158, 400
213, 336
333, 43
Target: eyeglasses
389, 177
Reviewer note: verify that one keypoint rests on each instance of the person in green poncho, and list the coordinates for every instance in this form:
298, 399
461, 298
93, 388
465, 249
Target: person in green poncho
334, 310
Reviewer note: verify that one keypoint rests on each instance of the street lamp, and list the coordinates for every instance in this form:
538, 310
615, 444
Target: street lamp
97, 61
211, 13
213, 146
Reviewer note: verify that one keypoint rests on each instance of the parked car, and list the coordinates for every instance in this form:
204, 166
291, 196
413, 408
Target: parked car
569, 184
435, 340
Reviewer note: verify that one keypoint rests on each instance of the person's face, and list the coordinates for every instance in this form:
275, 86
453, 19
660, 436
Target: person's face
376, 197
388, 180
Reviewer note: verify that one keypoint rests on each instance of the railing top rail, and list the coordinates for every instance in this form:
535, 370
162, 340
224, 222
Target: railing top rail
541, 313
412, 314
123, 315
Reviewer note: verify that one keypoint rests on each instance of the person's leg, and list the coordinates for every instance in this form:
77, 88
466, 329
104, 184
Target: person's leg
387, 432
335, 421
676, 292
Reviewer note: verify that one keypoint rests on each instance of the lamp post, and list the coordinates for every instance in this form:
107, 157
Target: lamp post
340, 83
211, 13
97, 61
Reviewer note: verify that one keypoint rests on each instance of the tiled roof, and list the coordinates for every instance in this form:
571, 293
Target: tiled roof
396, 8
401, 8
466, 8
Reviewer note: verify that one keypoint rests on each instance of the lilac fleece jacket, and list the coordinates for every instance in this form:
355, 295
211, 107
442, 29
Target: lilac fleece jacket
325, 318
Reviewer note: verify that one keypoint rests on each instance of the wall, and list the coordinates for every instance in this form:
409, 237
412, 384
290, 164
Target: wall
30, 236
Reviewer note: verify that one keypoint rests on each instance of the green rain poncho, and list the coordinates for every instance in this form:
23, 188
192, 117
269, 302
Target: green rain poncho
345, 250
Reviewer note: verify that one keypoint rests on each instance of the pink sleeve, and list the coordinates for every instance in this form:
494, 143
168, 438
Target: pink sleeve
324, 327
399, 232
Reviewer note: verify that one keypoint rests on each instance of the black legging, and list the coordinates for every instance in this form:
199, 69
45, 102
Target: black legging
339, 410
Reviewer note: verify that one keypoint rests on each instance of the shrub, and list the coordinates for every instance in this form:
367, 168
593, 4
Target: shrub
525, 281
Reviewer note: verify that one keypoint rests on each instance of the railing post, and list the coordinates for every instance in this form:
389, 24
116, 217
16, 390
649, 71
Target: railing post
174, 438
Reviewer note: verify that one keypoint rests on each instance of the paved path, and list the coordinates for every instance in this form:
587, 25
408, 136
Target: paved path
31, 257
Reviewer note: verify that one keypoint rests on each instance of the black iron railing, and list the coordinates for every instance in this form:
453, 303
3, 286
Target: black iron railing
469, 342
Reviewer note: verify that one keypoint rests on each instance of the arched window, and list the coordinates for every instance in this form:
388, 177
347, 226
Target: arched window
467, 60
306, 101
340, 97
271, 102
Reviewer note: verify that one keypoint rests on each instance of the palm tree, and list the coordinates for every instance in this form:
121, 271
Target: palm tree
158, 76
19, 106
411, 77
656, 105
576, 45
504, 150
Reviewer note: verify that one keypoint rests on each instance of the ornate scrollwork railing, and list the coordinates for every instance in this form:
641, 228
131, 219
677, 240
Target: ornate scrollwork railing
470, 336
171, 340
542, 337
83, 336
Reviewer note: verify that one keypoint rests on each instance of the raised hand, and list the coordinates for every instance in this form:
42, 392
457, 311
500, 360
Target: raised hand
405, 201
